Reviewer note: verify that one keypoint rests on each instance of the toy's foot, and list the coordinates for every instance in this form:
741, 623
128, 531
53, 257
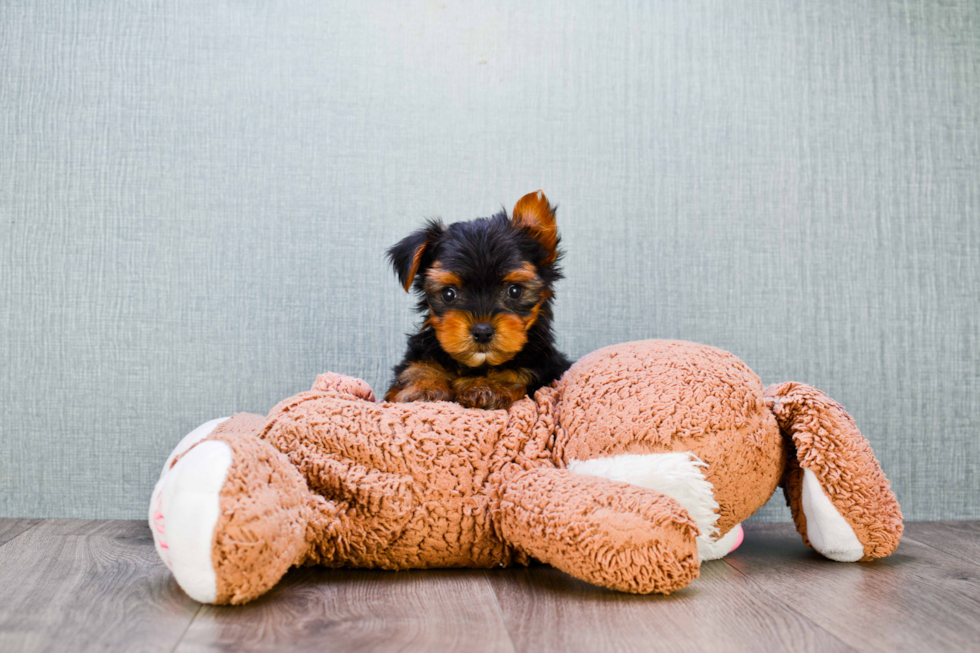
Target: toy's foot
828, 531
229, 518
189, 440
184, 510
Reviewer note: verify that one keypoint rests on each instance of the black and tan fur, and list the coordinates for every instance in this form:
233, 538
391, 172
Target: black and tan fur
485, 291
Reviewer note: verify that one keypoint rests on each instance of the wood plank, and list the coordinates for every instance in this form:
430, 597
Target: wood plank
547, 610
315, 609
11, 528
957, 538
917, 599
88, 586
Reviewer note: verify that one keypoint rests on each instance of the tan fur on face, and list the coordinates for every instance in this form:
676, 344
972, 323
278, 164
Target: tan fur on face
509, 338
533, 317
436, 279
453, 331
525, 274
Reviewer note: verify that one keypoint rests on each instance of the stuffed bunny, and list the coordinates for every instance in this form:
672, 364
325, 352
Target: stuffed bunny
635, 467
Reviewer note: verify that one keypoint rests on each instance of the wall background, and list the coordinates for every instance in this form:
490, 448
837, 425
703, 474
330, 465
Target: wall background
195, 199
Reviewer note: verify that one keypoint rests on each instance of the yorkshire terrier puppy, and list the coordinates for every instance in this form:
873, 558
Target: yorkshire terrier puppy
485, 291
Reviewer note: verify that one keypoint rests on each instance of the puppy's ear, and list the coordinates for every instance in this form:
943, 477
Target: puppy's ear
533, 214
408, 256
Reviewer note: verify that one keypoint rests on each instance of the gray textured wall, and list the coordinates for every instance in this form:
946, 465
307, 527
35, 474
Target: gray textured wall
195, 198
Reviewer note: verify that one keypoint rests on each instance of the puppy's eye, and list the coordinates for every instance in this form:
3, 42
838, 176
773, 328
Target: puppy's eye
449, 295
514, 291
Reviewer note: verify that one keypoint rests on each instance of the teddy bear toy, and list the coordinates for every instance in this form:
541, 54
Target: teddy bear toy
635, 467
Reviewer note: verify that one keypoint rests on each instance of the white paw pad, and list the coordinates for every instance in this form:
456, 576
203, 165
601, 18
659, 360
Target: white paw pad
679, 475
184, 510
828, 531
189, 440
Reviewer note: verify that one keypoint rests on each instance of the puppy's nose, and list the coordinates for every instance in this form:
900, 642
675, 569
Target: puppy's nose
482, 332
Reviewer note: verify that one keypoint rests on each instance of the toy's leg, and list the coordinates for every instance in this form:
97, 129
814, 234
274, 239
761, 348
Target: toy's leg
841, 501
605, 532
230, 516
679, 475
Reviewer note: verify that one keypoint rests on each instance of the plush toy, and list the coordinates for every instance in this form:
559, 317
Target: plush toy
635, 467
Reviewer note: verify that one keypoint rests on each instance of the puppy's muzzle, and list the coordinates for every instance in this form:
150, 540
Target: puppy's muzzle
482, 332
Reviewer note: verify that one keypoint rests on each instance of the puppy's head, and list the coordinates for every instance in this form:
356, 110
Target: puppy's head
486, 282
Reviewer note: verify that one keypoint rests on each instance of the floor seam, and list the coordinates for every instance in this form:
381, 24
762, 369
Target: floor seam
29, 528
789, 607
972, 563
500, 612
186, 628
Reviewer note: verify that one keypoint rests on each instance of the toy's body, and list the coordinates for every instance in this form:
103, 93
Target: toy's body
638, 465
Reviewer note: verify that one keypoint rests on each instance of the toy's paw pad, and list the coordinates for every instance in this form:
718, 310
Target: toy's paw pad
184, 510
828, 531
189, 440
679, 475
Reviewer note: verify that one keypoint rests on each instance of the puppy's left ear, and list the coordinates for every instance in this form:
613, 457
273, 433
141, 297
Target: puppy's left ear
534, 214
408, 256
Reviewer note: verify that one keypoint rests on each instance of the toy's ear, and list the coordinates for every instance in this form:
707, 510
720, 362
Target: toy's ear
533, 213
408, 256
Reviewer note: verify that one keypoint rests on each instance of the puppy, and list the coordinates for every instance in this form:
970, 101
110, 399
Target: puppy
485, 289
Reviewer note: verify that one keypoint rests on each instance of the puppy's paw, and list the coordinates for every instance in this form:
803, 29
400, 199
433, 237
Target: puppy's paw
421, 381
419, 392
488, 396
483, 397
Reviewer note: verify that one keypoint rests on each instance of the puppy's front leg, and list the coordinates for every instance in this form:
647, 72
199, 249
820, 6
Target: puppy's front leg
498, 389
421, 381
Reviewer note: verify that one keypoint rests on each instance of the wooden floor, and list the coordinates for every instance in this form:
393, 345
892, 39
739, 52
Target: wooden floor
99, 586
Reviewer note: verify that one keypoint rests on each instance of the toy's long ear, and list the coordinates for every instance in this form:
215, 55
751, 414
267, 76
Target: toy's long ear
408, 255
533, 213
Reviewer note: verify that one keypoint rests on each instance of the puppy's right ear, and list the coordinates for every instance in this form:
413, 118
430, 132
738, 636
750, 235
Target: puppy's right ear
408, 256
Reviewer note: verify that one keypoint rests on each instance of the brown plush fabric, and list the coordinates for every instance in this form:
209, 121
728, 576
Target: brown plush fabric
261, 530
828, 443
408, 486
331, 477
657, 396
612, 534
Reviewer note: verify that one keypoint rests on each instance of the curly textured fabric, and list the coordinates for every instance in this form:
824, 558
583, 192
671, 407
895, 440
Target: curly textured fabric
828, 443
659, 396
410, 484
261, 529
332, 477
612, 534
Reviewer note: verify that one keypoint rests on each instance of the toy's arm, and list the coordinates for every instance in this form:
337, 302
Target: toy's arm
342, 384
842, 504
613, 534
